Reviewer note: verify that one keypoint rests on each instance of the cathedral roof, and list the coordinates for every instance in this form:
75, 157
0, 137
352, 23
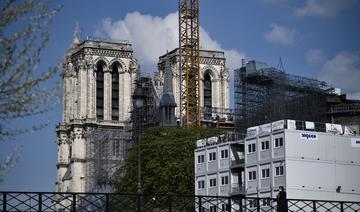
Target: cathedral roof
167, 100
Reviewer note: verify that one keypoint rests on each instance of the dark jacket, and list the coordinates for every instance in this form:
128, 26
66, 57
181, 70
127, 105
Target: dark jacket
281, 202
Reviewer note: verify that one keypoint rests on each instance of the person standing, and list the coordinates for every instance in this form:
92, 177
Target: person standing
281, 200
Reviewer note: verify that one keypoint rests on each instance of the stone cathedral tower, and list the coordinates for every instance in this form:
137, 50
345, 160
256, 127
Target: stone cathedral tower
214, 86
98, 82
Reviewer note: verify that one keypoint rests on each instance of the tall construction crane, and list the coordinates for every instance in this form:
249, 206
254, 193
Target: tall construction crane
189, 53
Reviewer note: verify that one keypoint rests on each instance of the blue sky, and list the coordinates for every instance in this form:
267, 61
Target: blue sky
314, 38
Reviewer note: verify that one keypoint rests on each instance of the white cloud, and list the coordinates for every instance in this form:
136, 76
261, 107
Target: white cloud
152, 36
315, 57
281, 34
343, 71
323, 7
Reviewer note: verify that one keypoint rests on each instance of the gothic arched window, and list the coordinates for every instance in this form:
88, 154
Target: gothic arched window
100, 90
115, 93
207, 91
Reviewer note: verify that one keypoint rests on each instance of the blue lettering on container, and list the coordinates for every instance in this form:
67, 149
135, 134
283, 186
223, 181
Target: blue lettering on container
308, 136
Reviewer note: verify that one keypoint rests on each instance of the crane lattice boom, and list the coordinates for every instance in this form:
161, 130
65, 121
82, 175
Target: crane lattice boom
189, 50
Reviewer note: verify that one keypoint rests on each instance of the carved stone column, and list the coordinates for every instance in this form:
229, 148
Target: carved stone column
62, 160
133, 70
78, 156
226, 80
176, 88
129, 86
107, 94
69, 91
90, 81
82, 77
121, 94
127, 95
73, 96
201, 90
66, 89
224, 75
215, 83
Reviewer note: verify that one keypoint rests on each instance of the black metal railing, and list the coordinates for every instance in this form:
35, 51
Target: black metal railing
52, 201
237, 189
240, 161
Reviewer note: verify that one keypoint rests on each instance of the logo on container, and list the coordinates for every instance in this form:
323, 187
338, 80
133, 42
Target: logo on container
355, 142
308, 136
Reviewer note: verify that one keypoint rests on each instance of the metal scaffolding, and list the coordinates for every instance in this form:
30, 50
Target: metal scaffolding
150, 111
106, 152
108, 147
265, 94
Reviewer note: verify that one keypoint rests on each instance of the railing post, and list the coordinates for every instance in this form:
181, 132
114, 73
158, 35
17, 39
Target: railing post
200, 206
258, 204
241, 204
40, 202
74, 202
138, 202
341, 206
106, 202
4, 201
228, 205
314, 206
170, 203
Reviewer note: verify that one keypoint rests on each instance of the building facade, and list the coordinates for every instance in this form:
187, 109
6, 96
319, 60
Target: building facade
218, 171
318, 161
214, 86
93, 137
219, 166
312, 160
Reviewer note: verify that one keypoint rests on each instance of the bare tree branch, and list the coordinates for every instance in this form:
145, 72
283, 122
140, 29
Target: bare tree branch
25, 89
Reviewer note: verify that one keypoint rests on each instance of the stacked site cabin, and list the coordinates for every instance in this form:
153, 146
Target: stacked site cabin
312, 160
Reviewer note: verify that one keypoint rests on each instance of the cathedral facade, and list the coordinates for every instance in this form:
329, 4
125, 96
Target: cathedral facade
99, 79
98, 82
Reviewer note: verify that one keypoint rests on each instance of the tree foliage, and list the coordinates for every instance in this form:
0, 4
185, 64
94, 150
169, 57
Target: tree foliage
25, 90
167, 165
